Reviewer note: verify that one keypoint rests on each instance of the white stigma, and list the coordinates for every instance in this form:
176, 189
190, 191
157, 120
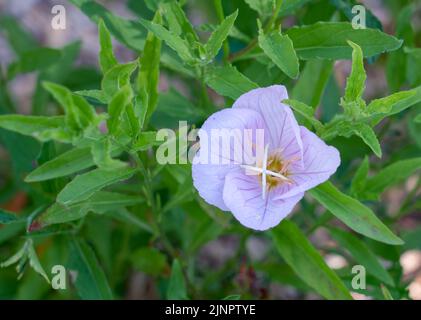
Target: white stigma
264, 171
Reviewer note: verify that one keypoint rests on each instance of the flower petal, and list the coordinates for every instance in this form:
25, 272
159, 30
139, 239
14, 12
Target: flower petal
216, 159
320, 162
209, 181
230, 136
243, 196
281, 126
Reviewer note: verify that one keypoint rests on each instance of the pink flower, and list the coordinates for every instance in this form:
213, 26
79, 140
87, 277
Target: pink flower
260, 192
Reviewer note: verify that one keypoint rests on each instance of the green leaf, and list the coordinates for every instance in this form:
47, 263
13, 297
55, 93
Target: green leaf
397, 61
148, 77
27, 252
367, 134
178, 22
362, 254
100, 202
34, 261
228, 81
171, 39
65, 164
177, 286
19, 39
384, 105
347, 128
306, 261
146, 140
90, 281
132, 121
399, 106
360, 178
312, 82
391, 175
116, 78
107, 59
386, 293
39, 127
328, 40
85, 185
217, 37
280, 49
33, 60
170, 105
413, 63
353, 213
128, 32
117, 107
7, 217
233, 297
306, 111
79, 113
101, 154
290, 6
98, 95
149, 260
418, 118
355, 83
263, 7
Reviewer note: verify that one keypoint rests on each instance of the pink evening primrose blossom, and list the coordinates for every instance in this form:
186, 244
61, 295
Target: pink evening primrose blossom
261, 192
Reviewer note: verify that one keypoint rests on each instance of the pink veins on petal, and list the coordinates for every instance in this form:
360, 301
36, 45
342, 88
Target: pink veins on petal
260, 180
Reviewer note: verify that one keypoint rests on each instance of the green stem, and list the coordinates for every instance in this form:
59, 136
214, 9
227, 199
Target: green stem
156, 209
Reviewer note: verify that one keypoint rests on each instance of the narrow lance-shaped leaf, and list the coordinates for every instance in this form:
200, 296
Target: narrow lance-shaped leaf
18, 38
128, 32
40, 127
64, 98
362, 254
217, 37
367, 134
263, 7
355, 83
398, 106
360, 178
90, 282
228, 81
306, 262
177, 286
79, 113
117, 106
107, 59
280, 49
347, 129
148, 77
312, 82
178, 22
35, 59
34, 261
384, 105
100, 202
85, 185
101, 153
65, 164
116, 78
306, 111
328, 40
171, 39
353, 213
391, 175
